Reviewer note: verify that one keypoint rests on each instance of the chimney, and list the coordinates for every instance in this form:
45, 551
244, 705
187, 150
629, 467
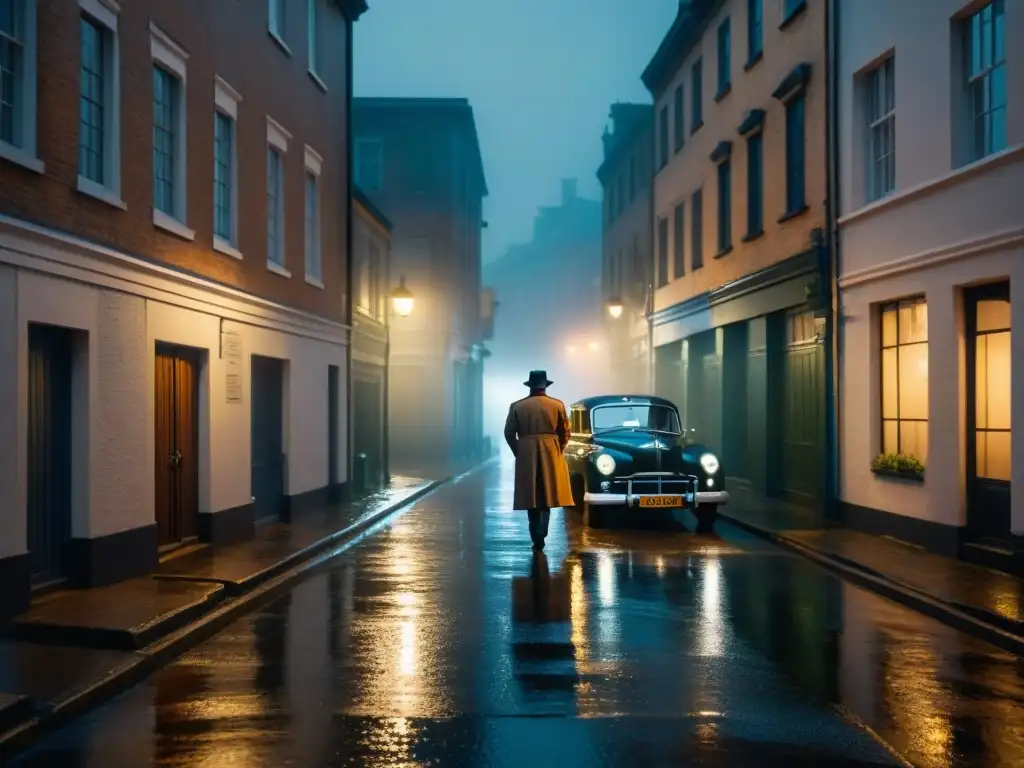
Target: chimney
568, 190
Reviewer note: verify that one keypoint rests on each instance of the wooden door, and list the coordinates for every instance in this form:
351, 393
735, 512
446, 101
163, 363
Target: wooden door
49, 450
177, 445
989, 463
803, 413
267, 478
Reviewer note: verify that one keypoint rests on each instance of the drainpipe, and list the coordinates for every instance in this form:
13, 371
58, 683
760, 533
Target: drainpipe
834, 321
350, 187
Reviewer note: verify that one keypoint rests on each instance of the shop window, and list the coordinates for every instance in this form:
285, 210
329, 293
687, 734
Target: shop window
905, 378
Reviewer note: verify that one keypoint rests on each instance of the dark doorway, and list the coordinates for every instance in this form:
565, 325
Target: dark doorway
367, 421
49, 450
332, 425
987, 323
177, 444
803, 412
267, 436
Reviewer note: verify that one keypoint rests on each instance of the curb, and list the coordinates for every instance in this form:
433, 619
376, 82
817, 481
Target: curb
161, 652
893, 589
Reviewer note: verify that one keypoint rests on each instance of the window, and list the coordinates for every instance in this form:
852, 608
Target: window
663, 137
225, 172
724, 57
18, 83
795, 193
697, 230
679, 128
724, 206
662, 252
314, 266
276, 20
277, 148
370, 164
313, 35
755, 184
881, 114
99, 109
170, 148
985, 49
678, 235
905, 378
696, 96
755, 29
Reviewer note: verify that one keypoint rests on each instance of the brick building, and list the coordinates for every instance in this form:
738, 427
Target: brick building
419, 160
742, 269
174, 228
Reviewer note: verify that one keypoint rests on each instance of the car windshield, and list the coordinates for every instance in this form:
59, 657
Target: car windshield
658, 418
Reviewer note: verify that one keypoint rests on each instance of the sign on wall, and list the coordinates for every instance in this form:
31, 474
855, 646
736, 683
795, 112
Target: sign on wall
231, 354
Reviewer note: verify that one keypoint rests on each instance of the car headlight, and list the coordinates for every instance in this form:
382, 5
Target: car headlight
605, 464
709, 462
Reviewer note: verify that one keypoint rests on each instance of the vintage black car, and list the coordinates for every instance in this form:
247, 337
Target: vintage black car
630, 457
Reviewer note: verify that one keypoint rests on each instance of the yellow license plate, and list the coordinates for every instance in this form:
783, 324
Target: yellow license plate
661, 501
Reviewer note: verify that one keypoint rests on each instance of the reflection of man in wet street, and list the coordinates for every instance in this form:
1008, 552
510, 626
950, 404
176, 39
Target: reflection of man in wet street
537, 431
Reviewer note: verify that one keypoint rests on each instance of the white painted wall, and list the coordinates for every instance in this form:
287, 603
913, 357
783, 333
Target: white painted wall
122, 308
946, 226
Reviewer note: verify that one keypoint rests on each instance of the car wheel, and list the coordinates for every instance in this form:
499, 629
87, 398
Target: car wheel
706, 515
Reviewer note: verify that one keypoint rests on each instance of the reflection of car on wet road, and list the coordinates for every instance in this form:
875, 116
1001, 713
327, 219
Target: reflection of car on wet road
629, 456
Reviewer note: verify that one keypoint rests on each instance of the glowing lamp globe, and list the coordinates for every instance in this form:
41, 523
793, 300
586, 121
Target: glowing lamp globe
615, 309
402, 300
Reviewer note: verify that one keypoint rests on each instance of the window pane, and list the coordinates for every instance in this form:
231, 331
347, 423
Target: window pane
914, 439
993, 455
992, 381
890, 384
993, 315
913, 322
890, 436
889, 327
913, 377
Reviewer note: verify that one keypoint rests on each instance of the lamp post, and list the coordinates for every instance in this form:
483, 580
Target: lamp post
402, 302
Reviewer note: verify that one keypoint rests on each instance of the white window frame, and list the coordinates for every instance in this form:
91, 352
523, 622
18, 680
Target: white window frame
23, 152
172, 57
879, 85
106, 13
226, 100
278, 139
314, 250
313, 43
277, 22
983, 79
360, 143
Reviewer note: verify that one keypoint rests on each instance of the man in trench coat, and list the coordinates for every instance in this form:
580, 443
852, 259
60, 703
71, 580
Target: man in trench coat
537, 431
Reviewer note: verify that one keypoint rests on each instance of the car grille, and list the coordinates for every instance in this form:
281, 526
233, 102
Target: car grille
655, 483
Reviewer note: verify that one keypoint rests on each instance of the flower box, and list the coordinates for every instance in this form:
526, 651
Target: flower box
902, 474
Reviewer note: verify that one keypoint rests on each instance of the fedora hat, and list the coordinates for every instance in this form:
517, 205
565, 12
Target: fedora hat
538, 380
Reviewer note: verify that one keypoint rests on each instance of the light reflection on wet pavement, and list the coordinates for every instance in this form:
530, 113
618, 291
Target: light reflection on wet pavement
443, 641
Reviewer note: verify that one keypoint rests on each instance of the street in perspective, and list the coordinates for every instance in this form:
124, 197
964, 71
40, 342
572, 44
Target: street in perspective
579, 383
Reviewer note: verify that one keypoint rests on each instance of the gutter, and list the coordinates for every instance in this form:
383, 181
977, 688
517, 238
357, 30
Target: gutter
349, 239
834, 321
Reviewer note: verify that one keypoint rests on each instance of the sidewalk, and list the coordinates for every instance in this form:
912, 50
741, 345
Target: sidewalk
76, 648
977, 600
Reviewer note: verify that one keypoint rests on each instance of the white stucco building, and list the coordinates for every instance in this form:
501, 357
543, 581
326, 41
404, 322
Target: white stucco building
930, 105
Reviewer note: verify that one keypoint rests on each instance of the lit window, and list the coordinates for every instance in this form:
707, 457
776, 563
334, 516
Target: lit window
985, 49
992, 389
905, 378
881, 103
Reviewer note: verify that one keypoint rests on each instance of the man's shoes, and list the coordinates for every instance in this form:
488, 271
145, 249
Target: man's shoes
538, 544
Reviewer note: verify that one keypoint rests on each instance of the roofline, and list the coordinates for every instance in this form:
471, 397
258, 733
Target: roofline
627, 139
613, 399
372, 209
454, 104
686, 31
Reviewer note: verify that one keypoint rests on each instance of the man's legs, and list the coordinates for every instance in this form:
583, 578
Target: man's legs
539, 519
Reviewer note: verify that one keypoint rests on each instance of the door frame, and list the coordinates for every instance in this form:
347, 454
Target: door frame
971, 296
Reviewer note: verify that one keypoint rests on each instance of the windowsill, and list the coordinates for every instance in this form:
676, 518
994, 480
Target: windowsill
751, 236
724, 252
223, 246
897, 474
18, 156
753, 61
315, 281
696, 127
793, 214
101, 193
277, 269
172, 225
723, 92
317, 79
793, 15
280, 41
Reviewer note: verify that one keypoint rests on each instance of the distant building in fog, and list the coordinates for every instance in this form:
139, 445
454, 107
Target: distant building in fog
627, 258
549, 304
419, 160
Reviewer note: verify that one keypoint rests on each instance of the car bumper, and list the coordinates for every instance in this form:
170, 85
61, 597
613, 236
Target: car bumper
633, 500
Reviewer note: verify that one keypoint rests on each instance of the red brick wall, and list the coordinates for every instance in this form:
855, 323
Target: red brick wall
223, 37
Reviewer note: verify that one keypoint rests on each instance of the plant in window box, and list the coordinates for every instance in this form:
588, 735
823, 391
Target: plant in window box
902, 465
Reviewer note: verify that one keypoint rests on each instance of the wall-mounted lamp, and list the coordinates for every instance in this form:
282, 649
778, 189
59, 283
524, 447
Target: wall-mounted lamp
615, 308
402, 299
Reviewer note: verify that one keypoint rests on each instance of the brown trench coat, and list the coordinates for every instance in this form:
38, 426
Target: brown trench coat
537, 431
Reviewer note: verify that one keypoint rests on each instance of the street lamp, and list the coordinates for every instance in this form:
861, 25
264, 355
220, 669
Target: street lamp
402, 299
615, 308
